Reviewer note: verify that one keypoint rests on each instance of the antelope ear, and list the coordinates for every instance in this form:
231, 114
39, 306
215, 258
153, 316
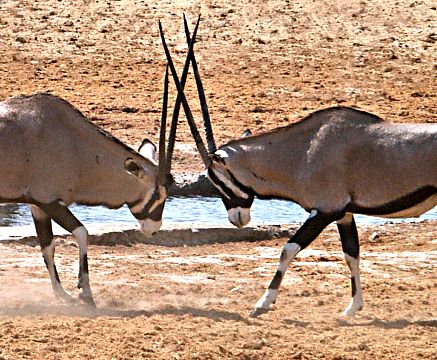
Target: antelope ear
217, 158
148, 150
246, 133
133, 168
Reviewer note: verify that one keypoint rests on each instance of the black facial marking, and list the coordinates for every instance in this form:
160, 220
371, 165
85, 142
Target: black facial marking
233, 201
218, 158
238, 184
219, 183
156, 214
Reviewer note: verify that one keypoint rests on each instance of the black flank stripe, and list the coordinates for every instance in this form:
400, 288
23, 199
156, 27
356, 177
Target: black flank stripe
402, 203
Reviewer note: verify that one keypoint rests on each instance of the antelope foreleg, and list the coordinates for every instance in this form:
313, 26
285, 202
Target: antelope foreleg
311, 228
43, 226
63, 216
81, 235
351, 249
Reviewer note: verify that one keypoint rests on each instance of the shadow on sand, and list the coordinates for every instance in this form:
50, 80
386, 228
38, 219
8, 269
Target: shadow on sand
388, 324
79, 310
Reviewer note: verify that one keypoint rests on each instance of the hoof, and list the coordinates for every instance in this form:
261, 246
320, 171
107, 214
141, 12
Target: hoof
351, 310
258, 311
87, 300
65, 297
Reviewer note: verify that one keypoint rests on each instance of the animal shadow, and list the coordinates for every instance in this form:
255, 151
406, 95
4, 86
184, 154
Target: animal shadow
388, 324
82, 310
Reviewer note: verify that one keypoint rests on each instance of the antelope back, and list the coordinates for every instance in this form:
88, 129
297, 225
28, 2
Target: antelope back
52, 152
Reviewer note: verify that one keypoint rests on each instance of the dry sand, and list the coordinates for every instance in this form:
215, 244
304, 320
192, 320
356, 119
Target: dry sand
264, 64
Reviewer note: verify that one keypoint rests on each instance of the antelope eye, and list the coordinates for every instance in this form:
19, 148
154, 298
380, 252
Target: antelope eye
155, 195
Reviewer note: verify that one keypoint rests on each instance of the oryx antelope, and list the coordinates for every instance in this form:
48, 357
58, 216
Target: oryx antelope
51, 156
334, 163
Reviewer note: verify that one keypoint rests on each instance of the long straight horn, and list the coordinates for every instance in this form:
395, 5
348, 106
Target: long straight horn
199, 143
175, 117
212, 148
162, 162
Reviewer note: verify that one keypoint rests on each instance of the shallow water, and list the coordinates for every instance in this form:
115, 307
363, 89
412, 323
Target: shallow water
208, 211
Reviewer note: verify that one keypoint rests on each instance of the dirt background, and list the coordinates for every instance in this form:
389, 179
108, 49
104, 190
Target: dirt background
264, 64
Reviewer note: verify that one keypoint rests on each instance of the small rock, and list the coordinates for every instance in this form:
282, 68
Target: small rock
20, 39
129, 109
374, 236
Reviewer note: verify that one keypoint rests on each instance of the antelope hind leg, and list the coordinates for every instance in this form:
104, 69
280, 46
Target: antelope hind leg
43, 227
310, 229
351, 249
63, 216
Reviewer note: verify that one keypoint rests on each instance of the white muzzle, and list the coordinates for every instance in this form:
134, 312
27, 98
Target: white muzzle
239, 216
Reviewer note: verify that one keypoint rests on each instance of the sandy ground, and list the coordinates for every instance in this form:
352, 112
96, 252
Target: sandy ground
264, 64
192, 302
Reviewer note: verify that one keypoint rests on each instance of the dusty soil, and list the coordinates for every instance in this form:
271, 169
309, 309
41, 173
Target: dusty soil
264, 64
192, 302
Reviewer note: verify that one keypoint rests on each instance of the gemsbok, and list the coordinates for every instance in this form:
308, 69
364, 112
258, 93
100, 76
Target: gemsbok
51, 156
334, 163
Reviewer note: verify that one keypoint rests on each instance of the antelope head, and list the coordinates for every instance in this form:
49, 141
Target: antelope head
236, 197
148, 210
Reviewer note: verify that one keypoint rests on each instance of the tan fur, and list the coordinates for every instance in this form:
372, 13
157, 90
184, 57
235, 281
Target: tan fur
49, 151
337, 156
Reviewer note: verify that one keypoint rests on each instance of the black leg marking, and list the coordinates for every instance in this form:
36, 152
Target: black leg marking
351, 248
312, 227
304, 236
63, 216
277, 279
353, 286
54, 270
83, 269
43, 227
44, 231
349, 236
83, 282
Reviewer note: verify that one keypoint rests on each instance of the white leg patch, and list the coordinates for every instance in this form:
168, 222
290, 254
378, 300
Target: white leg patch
49, 256
356, 303
289, 252
267, 299
81, 234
